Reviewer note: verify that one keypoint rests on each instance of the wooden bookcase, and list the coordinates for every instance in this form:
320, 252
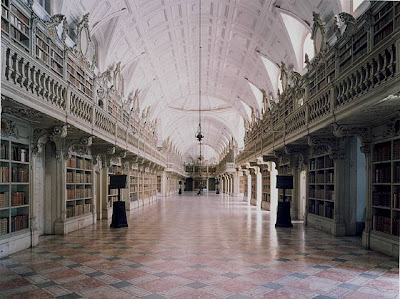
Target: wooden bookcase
285, 169
321, 186
266, 184
385, 187
79, 186
5, 13
159, 183
243, 184
253, 199
386, 20
49, 53
15, 23
323, 75
14, 187
113, 193
266, 188
82, 80
133, 185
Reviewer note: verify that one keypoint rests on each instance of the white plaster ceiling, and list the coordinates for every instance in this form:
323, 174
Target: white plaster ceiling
167, 31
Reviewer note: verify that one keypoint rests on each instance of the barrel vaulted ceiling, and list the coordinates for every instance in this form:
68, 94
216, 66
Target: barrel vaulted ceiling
157, 42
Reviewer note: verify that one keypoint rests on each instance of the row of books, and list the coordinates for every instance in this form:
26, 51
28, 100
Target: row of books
81, 163
78, 210
4, 151
19, 153
396, 147
19, 199
381, 223
4, 199
4, 174
329, 210
381, 198
321, 194
396, 173
396, 227
382, 174
4, 226
320, 163
396, 200
316, 208
78, 177
19, 222
79, 193
382, 152
20, 175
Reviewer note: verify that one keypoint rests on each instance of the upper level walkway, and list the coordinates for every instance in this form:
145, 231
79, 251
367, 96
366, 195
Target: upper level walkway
192, 246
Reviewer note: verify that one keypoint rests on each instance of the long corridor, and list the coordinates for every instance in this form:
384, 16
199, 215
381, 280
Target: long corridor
198, 247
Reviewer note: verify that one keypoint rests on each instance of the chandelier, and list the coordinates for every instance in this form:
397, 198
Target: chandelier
199, 134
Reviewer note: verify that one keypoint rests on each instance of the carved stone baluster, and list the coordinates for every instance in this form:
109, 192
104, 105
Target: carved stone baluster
38, 77
27, 75
33, 85
14, 68
56, 93
8, 61
47, 88
20, 71
50, 90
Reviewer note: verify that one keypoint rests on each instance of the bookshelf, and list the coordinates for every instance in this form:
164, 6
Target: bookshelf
159, 183
133, 185
285, 169
243, 184
17, 23
385, 20
253, 199
14, 187
49, 53
5, 13
79, 78
321, 186
385, 187
266, 188
112, 195
79, 182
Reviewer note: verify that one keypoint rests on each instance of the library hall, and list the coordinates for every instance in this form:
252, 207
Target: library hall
200, 149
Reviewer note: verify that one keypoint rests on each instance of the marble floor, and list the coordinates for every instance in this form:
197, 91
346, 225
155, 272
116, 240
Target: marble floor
198, 247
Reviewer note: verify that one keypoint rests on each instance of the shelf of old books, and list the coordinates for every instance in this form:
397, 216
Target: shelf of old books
385, 187
159, 183
115, 168
17, 23
133, 185
243, 184
253, 199
386, 19
266, 188
78, 77
48, 52
78, 186
285, 169
321, 185
14, 187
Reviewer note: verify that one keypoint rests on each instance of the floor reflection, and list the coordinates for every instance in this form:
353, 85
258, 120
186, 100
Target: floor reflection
191, 246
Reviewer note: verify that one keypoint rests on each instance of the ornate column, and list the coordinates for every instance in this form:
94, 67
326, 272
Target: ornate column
236, 183
248, 186
366, 149
338, 157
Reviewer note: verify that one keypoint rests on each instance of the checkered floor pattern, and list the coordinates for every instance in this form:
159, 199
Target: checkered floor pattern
198, 247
